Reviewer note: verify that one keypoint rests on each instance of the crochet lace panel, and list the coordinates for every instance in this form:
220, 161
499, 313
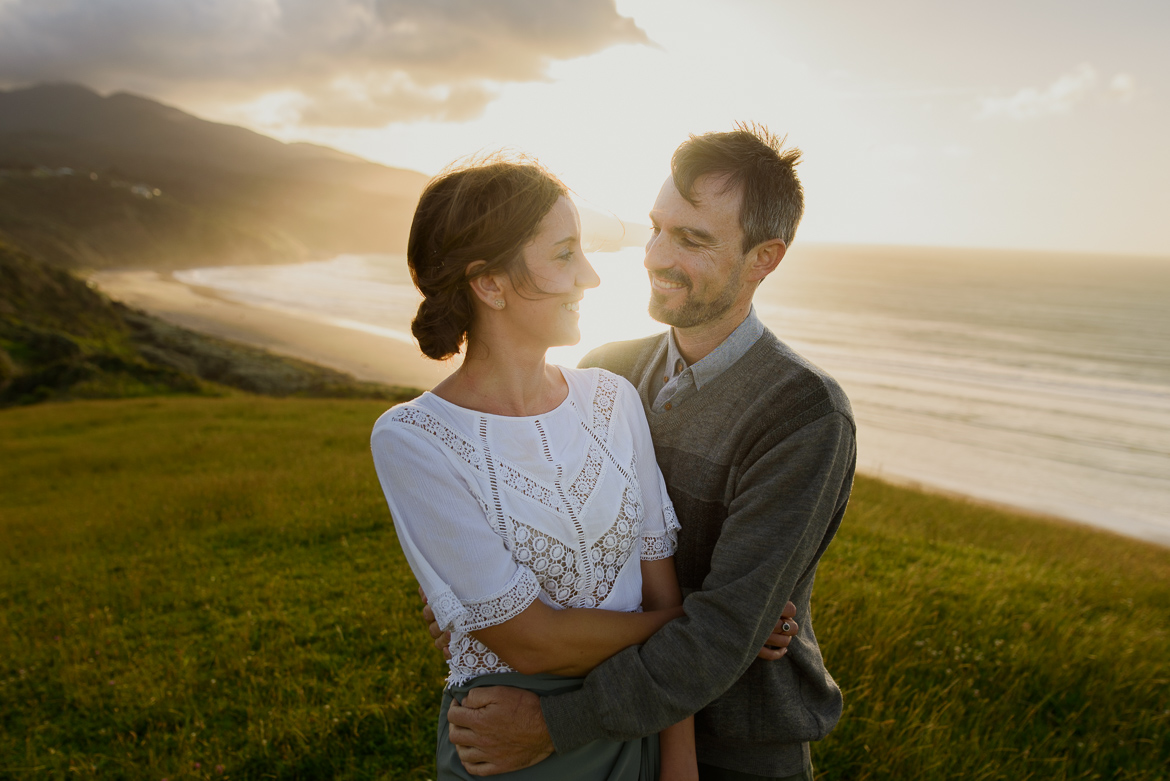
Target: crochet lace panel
582, 486
440, 431
603, 401
661, 546
527, 485
570, 579
470, 657
505, 604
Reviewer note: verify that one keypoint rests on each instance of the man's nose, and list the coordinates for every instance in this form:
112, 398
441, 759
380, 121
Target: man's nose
656, 253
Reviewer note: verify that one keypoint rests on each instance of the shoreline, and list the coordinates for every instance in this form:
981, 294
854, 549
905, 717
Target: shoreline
385, 359
364, 355
927, 489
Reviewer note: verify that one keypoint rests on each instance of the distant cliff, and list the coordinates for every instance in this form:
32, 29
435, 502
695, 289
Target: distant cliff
88, 181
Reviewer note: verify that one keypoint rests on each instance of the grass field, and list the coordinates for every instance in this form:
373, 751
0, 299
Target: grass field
211, 588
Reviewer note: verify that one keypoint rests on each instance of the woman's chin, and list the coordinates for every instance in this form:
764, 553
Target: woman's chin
565, 340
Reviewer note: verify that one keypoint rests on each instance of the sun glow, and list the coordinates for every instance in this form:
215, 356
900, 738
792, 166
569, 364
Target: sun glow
616, 309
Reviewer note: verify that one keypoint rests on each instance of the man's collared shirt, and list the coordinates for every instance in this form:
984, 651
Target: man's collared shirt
673, 376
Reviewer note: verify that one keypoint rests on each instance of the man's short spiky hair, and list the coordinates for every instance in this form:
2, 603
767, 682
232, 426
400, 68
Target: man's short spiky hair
752, 160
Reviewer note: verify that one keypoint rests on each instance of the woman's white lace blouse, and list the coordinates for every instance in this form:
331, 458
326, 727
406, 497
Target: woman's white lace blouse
494, 512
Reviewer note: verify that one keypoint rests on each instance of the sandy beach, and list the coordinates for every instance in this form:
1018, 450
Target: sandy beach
367, 356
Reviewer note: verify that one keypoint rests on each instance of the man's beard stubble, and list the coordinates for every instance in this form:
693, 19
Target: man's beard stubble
692, 312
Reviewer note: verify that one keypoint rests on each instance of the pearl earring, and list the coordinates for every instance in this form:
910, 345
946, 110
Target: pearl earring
499, 303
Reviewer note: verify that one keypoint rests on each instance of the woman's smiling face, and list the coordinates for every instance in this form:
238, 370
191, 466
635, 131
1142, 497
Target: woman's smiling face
546, 308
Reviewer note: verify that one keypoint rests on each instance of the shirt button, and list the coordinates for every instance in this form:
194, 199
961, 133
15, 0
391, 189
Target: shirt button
666, 379
666, 406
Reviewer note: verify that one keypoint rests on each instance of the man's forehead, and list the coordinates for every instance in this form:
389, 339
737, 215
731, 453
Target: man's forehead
712, 195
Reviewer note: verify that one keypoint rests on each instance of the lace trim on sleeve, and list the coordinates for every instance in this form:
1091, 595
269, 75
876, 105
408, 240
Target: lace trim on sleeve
661, 546
508, 602
447, 608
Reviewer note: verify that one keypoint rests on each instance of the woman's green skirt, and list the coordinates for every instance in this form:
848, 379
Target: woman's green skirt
601, 760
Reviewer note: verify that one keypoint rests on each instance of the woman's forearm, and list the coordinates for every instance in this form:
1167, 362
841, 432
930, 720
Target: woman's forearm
677, 742
677, 751
569, 642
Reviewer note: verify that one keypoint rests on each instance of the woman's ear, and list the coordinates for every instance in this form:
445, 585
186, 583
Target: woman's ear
488, 288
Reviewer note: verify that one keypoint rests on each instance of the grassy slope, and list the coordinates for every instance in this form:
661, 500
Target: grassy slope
59, 340
216, 581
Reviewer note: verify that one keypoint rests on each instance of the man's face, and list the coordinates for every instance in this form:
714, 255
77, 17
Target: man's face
694, 256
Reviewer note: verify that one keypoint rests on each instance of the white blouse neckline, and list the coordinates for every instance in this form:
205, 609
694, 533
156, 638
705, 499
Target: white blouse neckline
563, 405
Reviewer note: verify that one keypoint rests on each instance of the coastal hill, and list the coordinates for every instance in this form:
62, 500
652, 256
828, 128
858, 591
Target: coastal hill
91, 181
62, 340
121, 181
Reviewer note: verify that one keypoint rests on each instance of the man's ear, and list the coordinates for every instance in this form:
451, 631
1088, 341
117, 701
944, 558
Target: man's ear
765, 258
488, 288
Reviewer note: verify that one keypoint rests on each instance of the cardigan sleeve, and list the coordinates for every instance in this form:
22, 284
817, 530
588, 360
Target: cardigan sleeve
443, 525
786, 507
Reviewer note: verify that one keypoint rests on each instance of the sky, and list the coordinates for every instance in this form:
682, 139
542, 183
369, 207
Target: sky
1035, 124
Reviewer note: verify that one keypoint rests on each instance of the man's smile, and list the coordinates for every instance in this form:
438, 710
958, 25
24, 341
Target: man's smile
660, 281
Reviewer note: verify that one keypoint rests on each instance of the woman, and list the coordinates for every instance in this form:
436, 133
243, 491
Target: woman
526, 495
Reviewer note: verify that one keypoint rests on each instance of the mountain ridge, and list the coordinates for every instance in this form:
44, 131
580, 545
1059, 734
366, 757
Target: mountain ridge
207, 193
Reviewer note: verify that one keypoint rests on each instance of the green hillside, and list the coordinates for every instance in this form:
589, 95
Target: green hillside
206, 588
61, 340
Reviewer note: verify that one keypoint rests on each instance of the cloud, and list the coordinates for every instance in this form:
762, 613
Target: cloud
1082, 83
1123, 86
352, 62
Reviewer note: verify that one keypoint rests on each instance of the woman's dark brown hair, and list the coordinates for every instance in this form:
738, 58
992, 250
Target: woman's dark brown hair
483, 211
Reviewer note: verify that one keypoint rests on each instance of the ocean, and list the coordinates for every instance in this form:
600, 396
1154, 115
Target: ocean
1035, 380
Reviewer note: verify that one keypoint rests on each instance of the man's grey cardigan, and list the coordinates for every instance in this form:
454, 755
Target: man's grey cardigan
759, 464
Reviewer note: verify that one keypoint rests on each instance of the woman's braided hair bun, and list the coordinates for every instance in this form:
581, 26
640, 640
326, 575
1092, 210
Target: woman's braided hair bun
485, 210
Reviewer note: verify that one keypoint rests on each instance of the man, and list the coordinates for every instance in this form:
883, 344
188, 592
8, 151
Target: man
757, 448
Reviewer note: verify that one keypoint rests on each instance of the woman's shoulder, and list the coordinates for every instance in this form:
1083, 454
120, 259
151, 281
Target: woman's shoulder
423, 430
596, 377
421, 415
602, 392
399, 412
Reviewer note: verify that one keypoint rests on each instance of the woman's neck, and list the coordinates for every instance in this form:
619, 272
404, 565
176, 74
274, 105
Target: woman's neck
504, 382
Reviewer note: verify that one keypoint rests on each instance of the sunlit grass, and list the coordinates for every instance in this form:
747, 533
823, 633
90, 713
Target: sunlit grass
219, 584
974, 643
188, 584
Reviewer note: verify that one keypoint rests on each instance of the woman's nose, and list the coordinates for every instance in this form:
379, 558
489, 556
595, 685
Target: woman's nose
588, 276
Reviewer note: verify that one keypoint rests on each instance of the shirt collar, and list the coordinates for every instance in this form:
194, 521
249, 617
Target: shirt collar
722, 357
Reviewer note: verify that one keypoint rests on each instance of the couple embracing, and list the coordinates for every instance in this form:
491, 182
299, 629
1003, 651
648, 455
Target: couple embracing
610, 551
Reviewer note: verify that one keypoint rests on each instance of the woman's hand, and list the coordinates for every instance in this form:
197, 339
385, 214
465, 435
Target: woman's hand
777, 643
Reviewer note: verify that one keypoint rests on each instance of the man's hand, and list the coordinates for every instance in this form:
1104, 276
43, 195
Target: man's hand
777, 643
442, 639
498, 729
